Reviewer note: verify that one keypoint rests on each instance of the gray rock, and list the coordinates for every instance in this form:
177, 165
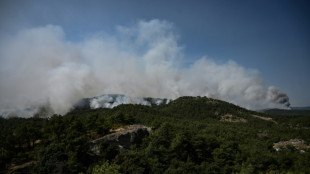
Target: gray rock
122, 138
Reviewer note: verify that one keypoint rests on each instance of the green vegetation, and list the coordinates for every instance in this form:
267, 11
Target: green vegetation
188, 137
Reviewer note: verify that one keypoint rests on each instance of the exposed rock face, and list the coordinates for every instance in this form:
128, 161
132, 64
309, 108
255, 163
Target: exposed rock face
298, 144
123, 138
262, 133
233, 119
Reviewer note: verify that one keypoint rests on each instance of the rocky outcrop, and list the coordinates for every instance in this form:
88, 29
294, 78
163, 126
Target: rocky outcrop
262, 134
232, 119
296, 143
123, 138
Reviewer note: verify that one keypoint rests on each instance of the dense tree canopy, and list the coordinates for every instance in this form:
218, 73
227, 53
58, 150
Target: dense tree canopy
189, 136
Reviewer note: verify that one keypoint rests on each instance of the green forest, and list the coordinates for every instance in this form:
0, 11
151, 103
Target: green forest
189, 135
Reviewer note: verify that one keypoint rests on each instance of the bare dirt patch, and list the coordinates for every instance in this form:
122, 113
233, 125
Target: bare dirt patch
265, 118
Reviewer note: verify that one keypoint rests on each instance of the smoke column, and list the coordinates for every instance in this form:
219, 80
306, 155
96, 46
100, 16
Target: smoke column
40, 66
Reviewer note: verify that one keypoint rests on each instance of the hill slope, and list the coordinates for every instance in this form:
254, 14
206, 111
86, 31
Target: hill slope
190, 135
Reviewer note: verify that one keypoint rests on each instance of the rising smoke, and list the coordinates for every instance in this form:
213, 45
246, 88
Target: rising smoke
113, 100
276, 96
40, 66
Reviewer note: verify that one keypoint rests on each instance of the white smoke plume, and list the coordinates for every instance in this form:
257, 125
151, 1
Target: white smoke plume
39, 66
111, 101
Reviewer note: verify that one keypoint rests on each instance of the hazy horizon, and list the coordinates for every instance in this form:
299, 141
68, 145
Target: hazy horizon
253, 54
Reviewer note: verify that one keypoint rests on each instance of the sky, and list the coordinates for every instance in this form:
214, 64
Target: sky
269, 37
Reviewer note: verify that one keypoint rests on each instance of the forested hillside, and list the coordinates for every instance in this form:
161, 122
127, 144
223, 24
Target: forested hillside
189, 135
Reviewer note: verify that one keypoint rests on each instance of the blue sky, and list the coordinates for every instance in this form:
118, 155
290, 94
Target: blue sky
270, 36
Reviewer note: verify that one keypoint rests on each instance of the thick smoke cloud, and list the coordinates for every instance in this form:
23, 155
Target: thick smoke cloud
111, 101
277, 96
40, 66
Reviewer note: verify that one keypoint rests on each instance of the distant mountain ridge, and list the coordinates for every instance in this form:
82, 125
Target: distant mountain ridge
181, 105
292, 111
301, 108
